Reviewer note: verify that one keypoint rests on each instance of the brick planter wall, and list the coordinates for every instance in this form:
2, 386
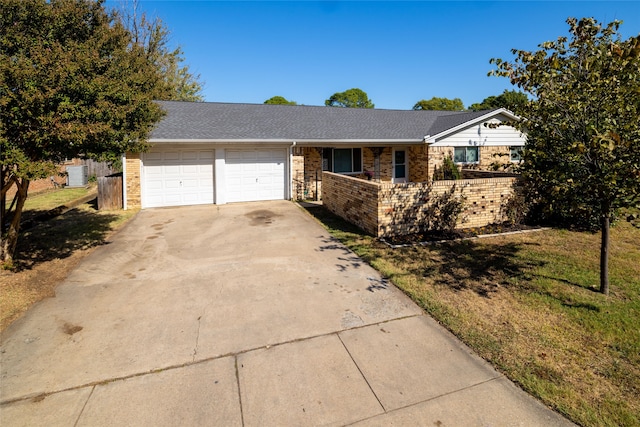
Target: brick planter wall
385, 209
478, 174
353, 199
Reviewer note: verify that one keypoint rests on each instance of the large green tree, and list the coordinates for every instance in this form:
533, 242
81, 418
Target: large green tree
279, 100
73, 83
583, 135
440, 104
178, 82
512, 100
351, 98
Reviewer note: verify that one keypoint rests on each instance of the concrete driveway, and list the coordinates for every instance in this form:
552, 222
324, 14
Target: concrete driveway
243, 314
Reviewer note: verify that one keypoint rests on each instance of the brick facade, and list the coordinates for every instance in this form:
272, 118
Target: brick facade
132, 172
418, 163
312, 173
385, 209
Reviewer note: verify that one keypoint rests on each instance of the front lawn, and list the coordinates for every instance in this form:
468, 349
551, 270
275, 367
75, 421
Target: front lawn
53, 198
49, 249
528, 304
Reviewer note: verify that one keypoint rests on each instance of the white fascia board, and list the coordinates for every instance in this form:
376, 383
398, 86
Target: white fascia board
358, 142
489, 115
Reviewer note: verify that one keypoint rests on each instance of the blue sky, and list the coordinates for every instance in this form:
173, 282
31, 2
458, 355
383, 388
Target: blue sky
398, 52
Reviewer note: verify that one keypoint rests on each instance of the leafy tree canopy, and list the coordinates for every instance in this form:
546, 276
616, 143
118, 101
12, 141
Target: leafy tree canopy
178, 82
512, 100
582, 157
73, 83
440, 104
352, 98
279, 100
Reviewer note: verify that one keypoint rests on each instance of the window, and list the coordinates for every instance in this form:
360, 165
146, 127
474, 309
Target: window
399, 166
465, 155
516, 153
342, 160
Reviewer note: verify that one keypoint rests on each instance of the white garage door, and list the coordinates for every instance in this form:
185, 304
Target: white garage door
177, 178
255, 174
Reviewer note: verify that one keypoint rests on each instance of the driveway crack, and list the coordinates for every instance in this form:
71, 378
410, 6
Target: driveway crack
195, 349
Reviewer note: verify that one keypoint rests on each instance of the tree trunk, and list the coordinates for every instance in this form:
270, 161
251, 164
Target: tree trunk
10, 240
604, 255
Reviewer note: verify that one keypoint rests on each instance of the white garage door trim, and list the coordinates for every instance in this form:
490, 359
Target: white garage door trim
255, 174
175, 177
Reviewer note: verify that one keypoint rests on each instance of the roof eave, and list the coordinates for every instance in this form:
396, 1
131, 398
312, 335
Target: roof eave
299, 142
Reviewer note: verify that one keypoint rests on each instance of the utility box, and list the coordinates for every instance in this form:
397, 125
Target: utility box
77, 176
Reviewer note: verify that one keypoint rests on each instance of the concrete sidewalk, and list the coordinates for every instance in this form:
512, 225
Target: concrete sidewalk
244, 314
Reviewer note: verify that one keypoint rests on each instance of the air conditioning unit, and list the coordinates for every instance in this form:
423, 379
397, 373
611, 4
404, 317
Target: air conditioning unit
77, 176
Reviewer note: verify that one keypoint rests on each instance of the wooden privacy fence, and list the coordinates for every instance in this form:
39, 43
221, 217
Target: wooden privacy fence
96, 169
110, 192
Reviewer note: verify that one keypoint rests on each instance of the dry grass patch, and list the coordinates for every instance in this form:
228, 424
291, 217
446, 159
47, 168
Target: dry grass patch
49, 250
528, 304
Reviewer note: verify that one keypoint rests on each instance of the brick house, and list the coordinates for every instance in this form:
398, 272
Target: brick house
217, 153
377, 165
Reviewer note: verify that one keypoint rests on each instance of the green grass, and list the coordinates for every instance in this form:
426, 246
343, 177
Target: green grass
528, 304
52, 199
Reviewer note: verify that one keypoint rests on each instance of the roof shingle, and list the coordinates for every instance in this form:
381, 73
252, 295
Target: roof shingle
225, 121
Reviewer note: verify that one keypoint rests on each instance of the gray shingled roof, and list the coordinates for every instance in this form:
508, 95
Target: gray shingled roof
222, 121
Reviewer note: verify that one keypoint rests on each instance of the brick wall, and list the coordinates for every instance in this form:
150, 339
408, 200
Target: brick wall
353, 199
384, 209
484, 199
132, 172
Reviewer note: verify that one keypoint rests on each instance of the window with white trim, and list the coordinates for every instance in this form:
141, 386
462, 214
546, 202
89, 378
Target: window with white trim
516, 153
466, 155
342, 160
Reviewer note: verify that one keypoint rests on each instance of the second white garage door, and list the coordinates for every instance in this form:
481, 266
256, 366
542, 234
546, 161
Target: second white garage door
253, 175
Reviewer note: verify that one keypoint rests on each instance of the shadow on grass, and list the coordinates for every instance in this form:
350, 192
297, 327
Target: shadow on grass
61, 236
474, 265
479, 266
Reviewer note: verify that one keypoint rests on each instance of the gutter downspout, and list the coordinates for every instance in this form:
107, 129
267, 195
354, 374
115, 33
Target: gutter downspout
124, 181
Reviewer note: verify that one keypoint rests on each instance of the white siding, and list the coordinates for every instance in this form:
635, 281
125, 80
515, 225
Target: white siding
480, 135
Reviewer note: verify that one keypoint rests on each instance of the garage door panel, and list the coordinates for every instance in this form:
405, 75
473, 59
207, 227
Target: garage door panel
151, 157
190, 169
189, 155
153, 169
172, 184
189, 183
